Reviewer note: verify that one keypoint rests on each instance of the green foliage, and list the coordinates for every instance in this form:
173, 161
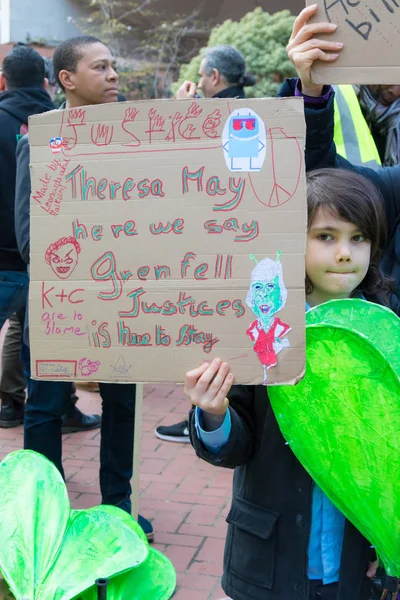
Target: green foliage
262, 38
149, 45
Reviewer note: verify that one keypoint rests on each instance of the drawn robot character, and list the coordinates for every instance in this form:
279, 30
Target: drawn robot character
267, 295
62, 256
244, 141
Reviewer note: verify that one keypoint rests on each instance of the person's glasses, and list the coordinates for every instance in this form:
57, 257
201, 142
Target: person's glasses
238, 124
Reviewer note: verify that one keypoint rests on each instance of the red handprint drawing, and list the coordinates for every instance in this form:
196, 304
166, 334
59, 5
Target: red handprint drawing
175, 120
211, 124
127, 125
102, 135
69, 131
186, 129
156, 123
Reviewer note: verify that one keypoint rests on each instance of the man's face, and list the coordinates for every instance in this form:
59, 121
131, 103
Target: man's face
64, 260
95, 79
385, 94
206, 82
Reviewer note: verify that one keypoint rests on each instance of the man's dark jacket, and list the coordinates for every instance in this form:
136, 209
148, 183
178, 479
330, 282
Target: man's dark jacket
22, 199
234, 91
270, 518
321, 152
16, 106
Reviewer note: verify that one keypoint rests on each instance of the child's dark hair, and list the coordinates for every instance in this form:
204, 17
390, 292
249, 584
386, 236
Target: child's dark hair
69, 53
355, 199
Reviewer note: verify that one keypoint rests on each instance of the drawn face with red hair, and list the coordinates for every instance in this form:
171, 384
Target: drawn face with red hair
62, 256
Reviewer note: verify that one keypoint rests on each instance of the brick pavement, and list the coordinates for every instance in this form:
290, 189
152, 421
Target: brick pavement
185, 498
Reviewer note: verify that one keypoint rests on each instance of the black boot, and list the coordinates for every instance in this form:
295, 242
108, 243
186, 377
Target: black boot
75, 420
11, 413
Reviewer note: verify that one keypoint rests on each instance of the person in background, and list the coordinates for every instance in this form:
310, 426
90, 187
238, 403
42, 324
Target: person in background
367, 124
380, 105
222, 75
52, 87
85, 70
12, 380
13, 383
353, 137
22, 84
25, 84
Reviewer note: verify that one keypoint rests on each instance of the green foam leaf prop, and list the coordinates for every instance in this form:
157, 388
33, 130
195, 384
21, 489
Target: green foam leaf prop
377, 324
342, 421
48, 550
155, 579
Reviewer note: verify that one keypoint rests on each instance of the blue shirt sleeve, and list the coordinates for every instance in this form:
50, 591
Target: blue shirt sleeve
213, 440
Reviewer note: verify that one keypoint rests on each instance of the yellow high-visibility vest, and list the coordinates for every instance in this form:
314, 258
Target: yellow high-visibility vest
352, 135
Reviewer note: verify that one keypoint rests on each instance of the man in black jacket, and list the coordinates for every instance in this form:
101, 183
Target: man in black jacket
23, 86
222, 75
303, 49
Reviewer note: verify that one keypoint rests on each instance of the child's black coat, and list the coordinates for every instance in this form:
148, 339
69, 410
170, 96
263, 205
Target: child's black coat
270, 518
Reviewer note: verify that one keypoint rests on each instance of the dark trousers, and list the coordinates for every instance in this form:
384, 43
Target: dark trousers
12, 380
318, 591
46, 403
15, 371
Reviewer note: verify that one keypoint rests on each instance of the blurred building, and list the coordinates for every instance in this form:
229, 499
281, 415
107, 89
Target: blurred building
47, 22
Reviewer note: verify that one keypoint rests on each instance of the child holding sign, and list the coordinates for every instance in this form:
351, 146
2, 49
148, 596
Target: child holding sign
285, 538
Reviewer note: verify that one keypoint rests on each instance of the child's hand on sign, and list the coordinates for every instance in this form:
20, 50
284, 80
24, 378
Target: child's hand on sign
303, 48
207, 387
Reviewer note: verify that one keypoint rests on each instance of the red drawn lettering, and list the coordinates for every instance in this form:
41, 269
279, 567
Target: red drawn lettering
175, 120
156, 123
211, 124
63, 296
127, 125
72, 294
187, 126
69, 130
44, 296
102, 135
129, 229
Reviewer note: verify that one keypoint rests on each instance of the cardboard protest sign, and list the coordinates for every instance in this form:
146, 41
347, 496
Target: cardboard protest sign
369, 30
166, 233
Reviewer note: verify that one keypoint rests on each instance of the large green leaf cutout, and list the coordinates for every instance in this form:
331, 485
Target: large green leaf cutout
342, 421
48, 550
377, 324
155, 579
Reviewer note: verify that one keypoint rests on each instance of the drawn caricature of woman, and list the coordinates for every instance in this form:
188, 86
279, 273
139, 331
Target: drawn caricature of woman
266, 296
